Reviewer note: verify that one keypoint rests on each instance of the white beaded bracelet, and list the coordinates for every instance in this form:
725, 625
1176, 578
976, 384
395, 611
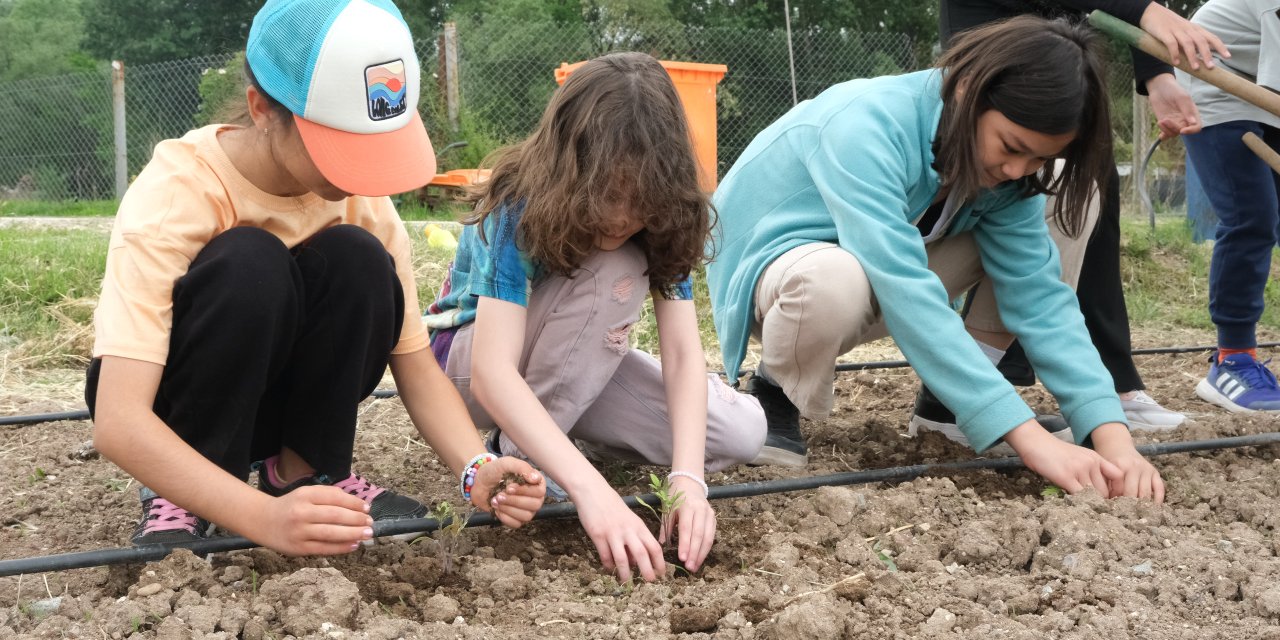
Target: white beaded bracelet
685, 474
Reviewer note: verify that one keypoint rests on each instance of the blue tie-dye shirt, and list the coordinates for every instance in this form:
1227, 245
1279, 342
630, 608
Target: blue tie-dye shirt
497, 269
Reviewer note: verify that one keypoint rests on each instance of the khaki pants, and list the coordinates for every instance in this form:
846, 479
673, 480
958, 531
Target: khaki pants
815, 303
578, 362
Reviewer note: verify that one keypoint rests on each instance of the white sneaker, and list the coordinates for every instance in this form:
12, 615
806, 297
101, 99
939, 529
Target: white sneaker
1055, 425
1145, 414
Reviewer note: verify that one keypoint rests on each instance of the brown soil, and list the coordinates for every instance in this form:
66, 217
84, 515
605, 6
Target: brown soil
977, 555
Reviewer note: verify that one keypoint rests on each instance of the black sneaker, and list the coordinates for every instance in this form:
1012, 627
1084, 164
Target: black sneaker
1015, 367
164, 522
384, 505
931, 415
783, 443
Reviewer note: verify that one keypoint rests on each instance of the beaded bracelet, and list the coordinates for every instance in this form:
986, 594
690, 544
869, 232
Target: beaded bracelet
685, 474
469, 473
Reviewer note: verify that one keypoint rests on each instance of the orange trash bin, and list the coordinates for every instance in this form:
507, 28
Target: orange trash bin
696, 84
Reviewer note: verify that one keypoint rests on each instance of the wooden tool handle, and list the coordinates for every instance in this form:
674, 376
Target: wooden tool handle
1259, 147
1233, 84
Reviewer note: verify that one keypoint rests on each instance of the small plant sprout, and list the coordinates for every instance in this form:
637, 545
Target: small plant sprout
448, 535
668, 501
885, 556
1052, 491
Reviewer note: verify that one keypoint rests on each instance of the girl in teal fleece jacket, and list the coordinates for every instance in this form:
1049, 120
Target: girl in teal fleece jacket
861, 212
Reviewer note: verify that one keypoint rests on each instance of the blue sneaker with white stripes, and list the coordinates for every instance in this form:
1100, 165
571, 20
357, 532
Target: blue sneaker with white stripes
1240, 384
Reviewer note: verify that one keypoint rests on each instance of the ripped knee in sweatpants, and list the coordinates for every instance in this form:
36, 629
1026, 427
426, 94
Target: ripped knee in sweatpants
618, 340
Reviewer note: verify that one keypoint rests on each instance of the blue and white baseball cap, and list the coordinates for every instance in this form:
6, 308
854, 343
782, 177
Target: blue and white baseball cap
348, 71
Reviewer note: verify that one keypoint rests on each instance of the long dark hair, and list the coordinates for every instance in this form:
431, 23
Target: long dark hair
1045, 75
614, 132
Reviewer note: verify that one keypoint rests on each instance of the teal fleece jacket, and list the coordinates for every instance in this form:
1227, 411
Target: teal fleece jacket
853, 166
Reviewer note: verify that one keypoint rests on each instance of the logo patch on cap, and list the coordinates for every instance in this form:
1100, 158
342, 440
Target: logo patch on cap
386, 89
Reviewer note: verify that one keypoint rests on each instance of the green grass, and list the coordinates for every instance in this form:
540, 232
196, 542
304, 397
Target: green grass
410, 209
40, 208
414, 209
1166, 277
49, 282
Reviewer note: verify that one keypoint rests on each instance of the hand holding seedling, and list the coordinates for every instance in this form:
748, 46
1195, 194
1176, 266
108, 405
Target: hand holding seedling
1140, 479
514, 501
1067, 465
693, 519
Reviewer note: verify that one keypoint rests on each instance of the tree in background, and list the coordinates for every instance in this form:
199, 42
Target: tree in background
40, 38
141, 31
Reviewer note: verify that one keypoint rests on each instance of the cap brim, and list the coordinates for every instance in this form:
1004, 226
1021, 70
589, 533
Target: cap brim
371, 164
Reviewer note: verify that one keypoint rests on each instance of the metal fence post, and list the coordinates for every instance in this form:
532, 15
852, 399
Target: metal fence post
118, 127
450, 49
1141, 140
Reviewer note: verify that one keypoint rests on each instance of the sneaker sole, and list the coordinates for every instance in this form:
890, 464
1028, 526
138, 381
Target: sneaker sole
780, 457
952, 433
1151, 427
402, 537
1210, 394
918, 424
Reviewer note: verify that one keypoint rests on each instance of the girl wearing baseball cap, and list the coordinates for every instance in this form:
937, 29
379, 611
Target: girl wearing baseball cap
258, 284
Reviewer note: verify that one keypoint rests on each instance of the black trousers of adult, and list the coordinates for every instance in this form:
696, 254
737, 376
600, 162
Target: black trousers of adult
273, 348
1101, 297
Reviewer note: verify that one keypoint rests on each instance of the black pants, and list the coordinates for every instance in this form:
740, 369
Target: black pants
1101, 297
275, 348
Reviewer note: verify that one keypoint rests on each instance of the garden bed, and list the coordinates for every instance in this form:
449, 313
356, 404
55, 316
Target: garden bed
976, 555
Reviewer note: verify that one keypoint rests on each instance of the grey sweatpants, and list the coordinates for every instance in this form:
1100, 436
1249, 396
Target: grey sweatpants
815, 303
578, 362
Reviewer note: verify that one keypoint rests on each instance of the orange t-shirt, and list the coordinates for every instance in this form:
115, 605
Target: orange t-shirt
188, 194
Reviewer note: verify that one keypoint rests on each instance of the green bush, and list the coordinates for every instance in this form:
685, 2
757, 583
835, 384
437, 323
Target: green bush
220, 90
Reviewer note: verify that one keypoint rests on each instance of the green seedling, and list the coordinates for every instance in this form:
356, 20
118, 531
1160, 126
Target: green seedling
668, 501
448, 535
36, 476
885, 558
1052, 491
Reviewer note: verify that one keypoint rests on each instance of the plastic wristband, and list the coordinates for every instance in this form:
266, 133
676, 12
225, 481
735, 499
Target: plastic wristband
469, 473
685, 474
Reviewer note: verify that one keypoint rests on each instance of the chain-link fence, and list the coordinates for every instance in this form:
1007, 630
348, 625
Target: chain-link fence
56, 133
507, 70
56, 137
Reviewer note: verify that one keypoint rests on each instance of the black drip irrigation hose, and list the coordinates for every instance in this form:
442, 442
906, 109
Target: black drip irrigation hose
853, 366
104, 557
82, 414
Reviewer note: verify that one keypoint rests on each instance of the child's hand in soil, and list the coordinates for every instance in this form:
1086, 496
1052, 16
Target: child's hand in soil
695, 523
1140, 479
1069, 466
314, 520
620, 536
509, 488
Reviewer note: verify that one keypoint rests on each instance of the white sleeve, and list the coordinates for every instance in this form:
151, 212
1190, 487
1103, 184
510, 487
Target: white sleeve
1269, 49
